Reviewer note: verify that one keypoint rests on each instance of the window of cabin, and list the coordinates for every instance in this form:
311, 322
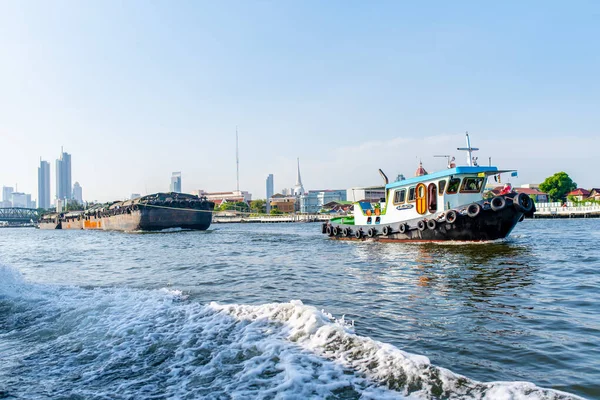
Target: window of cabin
400, 196
442, 186
411, 193
453, 186
471, 185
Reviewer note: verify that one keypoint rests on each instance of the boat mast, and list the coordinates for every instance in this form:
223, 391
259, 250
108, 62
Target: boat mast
469, 150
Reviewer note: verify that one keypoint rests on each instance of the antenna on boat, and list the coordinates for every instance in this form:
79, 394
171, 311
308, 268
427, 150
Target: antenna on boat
237, 159
469, 150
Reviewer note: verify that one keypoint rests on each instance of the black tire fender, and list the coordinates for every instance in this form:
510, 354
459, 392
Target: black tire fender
387, 230
432, 224
473, 210
523, 203
372, 232
498, 203
335, 231
330, 230
451, 216
403, 228
346, 232
358, 234
421, 225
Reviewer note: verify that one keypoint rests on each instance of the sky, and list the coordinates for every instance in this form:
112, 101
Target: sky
135, 90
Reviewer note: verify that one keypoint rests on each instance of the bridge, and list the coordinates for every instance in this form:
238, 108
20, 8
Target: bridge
18, 215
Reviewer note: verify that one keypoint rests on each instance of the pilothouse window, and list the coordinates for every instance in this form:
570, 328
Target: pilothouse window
471, 185
442, 186
400, 196
453, 186
411, 194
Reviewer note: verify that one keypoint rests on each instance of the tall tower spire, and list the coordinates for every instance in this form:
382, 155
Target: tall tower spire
237, 160
299, 188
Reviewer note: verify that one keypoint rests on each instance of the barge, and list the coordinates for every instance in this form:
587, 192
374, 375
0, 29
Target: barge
445, 205
153, 212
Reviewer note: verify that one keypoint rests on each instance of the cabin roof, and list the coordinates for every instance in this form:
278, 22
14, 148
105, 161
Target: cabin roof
445, 173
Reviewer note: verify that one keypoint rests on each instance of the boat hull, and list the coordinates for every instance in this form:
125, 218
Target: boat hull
147, 218
488, 224
49, 225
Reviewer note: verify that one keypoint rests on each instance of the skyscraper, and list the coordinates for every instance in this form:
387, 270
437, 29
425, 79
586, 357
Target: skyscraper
63, 176
269, 191
77, 193
176, 182
7, 195
299, 188
44, 184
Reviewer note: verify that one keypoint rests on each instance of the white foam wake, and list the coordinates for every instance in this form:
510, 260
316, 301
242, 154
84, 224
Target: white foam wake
130, 343
407, 373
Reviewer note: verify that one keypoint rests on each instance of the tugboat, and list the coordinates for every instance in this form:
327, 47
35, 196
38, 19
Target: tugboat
445, 205
153, 212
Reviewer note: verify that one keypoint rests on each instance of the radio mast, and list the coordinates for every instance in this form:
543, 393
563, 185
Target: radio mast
237, 159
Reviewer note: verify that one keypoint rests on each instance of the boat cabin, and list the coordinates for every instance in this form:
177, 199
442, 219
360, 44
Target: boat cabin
426, 195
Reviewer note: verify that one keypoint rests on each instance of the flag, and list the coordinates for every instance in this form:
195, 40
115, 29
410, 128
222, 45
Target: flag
514, 173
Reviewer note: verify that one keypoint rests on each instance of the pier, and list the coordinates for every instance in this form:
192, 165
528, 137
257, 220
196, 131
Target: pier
269, 219
570, 210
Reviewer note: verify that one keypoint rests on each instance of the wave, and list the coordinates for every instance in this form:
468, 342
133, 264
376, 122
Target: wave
124, 343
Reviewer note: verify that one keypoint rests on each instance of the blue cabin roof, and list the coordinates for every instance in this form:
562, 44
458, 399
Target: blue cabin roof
443, 174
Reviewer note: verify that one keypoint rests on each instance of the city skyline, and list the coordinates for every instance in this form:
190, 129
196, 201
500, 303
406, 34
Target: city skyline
349, 88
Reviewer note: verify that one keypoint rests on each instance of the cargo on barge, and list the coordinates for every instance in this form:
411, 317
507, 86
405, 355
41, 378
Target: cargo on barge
153, 212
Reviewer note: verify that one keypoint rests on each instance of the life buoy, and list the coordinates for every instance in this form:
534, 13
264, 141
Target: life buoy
403, 228
473, 210
421, 225
431, 224
371, 232
498, 203
336, 231
358, 234
387, 230
451, 216
523, 203
346, 232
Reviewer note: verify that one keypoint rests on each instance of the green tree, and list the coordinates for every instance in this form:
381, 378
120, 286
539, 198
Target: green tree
275, 211
73, 206
558, 185
237, 206
258, 206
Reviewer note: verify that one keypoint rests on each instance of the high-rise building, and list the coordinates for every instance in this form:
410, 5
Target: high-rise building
77, 193
63, 176
299, 188
19, 199
176, 182
44, 184
7, 195
269, 191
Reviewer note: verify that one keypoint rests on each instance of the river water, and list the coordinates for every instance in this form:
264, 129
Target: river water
280, 311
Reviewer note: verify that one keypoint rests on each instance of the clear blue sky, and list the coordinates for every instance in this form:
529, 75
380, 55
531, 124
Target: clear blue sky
137, 89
